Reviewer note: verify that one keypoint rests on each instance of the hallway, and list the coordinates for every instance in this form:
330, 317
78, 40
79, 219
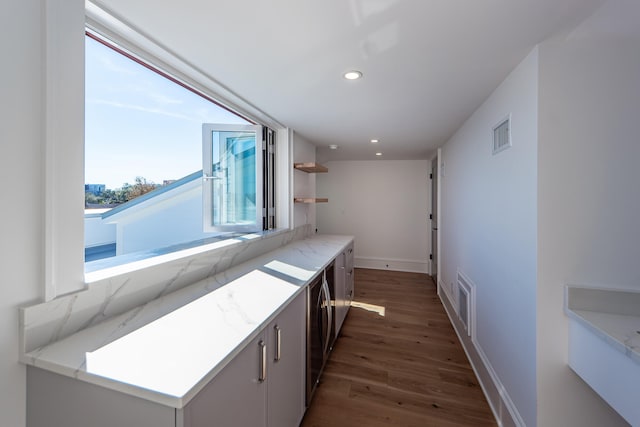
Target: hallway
397, 361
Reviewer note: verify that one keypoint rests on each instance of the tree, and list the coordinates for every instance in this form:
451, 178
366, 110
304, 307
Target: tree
142, 186
121, 195
91, 199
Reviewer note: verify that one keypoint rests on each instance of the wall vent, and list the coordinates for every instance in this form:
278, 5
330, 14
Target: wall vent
502, 135
466, 303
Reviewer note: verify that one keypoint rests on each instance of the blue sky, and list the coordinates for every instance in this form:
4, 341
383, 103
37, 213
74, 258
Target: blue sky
137, 123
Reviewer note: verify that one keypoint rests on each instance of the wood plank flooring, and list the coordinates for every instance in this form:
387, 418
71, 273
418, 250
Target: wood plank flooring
397, 362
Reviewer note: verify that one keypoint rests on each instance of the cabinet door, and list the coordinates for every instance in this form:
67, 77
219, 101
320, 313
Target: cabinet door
57, 400
236, 396
286, 374
349, 276
340, 289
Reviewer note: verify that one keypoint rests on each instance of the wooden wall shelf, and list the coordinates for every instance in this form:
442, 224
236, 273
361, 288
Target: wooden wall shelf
310, 167
310, 200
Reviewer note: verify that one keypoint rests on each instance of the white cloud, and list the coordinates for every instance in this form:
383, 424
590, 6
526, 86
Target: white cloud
162, 99
135, 107
109, 64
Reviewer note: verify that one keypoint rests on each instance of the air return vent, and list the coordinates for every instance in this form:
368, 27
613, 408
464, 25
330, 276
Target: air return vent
466, 303
502, 135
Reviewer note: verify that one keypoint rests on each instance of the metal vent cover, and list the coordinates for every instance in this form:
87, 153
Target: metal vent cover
502, 135
466, 303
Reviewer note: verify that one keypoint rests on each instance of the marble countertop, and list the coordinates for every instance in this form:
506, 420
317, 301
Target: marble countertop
604, 344
171, 358
621, 331
613, 315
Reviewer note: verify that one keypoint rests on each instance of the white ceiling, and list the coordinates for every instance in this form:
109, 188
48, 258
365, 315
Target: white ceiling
427, 64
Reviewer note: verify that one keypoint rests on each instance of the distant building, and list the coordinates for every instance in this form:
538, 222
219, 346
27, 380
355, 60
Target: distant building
95, 189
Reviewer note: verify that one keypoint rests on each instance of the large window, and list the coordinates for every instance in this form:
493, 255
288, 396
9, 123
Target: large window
144, 175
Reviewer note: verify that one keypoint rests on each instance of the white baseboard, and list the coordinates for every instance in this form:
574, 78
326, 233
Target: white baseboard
505, 399
442, 289
413, 266
491, 388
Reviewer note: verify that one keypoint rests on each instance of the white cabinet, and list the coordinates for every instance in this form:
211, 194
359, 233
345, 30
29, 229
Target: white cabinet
235, 397
349, 274
343, 285
340, 291
261, 386
286, 338
57, 400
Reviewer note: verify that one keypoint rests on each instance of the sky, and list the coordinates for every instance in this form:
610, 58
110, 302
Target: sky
138, 123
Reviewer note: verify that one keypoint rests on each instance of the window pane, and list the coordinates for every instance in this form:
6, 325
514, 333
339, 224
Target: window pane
234, 176
143, 160
234, 164
138, 123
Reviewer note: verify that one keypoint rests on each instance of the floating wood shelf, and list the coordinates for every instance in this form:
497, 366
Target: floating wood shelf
310, 200
310, 167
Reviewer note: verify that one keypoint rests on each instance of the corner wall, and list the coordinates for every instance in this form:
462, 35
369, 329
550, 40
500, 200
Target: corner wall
304, 184
488, 229
385, 204
22, 175
589, 192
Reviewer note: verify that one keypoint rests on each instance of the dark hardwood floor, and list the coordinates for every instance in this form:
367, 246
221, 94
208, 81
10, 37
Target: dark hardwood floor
397, 361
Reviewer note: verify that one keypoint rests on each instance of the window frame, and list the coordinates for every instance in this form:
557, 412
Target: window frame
210, 223
255, 226
63, 241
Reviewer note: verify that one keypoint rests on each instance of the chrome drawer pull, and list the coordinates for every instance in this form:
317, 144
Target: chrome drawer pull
263, 362
278, 341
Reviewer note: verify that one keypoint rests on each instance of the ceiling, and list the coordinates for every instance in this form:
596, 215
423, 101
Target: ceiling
427, 64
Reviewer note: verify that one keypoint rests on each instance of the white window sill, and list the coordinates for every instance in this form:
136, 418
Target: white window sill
122, 264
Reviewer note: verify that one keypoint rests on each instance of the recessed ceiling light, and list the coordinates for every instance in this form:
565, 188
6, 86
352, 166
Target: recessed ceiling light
353, 75
374, 141
333, 147
378, 154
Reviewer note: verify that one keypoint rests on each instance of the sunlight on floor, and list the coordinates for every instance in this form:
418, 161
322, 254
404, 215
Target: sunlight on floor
369, 307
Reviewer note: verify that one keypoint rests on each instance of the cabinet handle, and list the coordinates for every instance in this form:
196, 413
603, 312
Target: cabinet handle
278, 341
263, 361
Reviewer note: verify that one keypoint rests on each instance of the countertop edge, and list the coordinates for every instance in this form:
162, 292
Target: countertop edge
602, 334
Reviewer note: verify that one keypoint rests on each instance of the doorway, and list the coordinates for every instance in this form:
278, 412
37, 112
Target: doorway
434, 219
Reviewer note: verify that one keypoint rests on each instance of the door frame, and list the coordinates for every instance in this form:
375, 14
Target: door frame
437, 163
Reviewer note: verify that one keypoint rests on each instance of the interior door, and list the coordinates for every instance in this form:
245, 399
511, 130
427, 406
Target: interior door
434, 219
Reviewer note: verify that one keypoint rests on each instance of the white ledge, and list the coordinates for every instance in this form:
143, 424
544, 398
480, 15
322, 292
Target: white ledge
604, 344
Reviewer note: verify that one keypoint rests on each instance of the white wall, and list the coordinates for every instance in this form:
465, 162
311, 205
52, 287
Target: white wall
97, 232
488, 231
155, 224
22, 176
589, 191
304, 184
37, 113
385, 205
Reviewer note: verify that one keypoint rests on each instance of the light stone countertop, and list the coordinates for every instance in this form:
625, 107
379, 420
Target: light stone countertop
604, 344
170, 359
613, 315
619, 330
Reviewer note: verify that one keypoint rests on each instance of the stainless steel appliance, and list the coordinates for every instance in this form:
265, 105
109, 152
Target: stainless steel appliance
320, 327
